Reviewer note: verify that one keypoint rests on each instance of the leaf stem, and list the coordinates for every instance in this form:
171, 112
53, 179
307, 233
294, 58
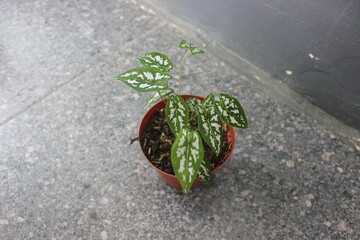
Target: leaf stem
193, 117
180, 68
163, 99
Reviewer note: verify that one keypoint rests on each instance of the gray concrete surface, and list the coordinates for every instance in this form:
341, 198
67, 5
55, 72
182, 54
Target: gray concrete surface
67, 171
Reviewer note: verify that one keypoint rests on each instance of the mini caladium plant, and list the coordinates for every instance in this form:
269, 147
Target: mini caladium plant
210, 124
193, 49
177, 114
230, 111
156, 60
187, 153
145, 79
188, 158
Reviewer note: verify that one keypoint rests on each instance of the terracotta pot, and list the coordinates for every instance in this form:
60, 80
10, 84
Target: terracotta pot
171, 179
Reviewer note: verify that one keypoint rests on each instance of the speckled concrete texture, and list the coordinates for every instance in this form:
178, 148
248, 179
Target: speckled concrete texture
44, 44
67, 170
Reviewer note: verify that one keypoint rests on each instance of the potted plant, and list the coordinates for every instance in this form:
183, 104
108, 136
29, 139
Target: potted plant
185, 137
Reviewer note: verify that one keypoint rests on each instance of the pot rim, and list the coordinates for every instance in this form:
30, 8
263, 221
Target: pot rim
231, 133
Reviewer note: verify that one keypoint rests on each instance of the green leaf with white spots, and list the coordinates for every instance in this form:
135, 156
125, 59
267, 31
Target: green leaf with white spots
177, 114
210, 126
231, 111
156, 60
209, 100
187, 153
183, 44
145, 79
157, 97
194, 49
204, 173
193, 104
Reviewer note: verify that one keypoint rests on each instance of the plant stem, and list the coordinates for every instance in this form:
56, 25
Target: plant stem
192, 118
190, 122
181, 64
163, 99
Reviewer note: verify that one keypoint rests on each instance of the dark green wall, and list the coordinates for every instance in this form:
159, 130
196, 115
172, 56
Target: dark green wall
319, 41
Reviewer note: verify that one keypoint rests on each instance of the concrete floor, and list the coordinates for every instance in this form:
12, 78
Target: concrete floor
67, 170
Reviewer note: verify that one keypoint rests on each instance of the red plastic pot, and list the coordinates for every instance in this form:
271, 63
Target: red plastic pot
171, 179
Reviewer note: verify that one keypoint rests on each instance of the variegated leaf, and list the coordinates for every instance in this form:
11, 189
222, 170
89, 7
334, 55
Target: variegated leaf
193, 104
204, 173
187, 153
157, 97
209, 100
145, 79
156, 60
183, 44
210, 126
177, 113
231, 111
194, 49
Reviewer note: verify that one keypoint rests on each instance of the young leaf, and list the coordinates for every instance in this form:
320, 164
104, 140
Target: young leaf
183, 44
231, 111
177, 114
157, 97
145, 79
210, 126
204, 173
156, 60
187, 153
194, 49
193, 104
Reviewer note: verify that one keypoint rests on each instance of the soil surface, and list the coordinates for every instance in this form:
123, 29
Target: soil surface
158, 138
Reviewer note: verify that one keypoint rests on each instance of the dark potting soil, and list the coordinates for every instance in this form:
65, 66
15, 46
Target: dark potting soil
157, 140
